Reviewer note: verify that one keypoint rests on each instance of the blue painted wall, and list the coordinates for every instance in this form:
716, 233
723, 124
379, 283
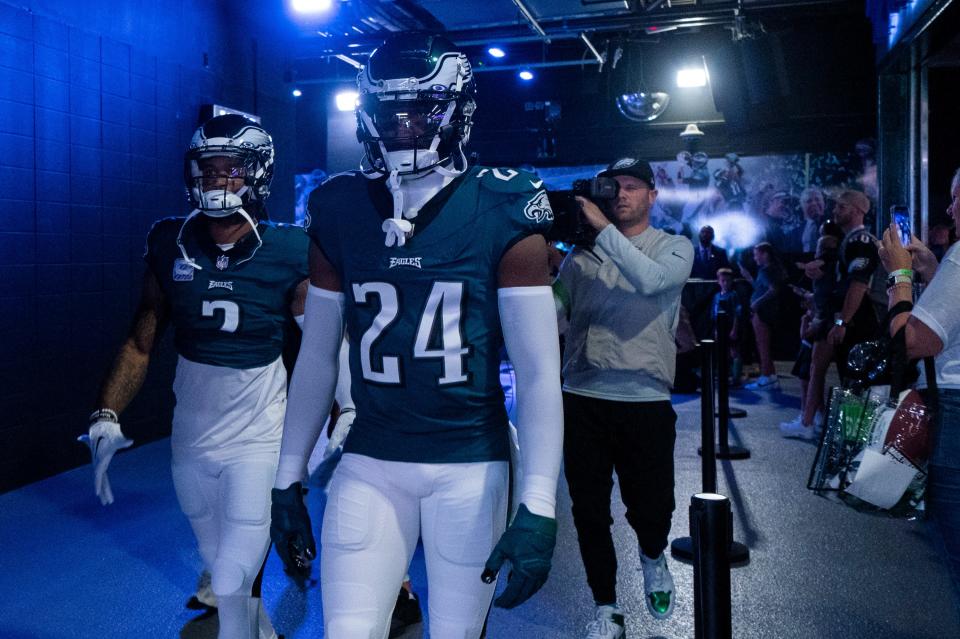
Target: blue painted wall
97, 103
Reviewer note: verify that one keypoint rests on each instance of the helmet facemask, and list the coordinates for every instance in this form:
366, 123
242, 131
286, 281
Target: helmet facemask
221, 181
414, 132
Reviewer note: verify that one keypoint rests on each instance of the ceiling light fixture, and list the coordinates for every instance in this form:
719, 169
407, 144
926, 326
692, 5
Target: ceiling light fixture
297, 93
496, 52
692, 77
346, 100
525, 75
311, 6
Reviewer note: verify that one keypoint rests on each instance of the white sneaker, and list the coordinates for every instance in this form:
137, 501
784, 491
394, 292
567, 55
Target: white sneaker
796, 420
798, 430
765, 382
657, 586
607, 624
818, 420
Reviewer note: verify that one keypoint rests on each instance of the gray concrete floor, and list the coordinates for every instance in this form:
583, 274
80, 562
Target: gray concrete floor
72, 569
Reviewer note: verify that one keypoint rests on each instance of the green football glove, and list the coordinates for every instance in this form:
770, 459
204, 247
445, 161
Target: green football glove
290, 529
528, 543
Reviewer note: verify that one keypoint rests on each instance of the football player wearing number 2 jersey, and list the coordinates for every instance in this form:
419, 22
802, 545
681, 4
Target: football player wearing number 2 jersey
429, 265
229, 283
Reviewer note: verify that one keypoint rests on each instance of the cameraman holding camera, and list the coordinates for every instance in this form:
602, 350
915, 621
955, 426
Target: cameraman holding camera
622, 300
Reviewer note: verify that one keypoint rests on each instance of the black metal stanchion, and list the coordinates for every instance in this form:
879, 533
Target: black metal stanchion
735, 412
724, 449
709, 514
682, 547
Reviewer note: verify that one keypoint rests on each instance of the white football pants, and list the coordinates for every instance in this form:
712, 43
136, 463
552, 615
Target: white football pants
376, 510
228, 504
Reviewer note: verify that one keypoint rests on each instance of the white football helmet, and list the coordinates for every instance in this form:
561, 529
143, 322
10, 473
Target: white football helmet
416, 105
249, 149
227, 170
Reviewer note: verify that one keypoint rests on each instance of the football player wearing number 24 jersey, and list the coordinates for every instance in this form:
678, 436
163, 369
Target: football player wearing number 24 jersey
429, 265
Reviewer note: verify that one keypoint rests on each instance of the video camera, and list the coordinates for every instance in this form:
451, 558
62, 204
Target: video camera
569, 225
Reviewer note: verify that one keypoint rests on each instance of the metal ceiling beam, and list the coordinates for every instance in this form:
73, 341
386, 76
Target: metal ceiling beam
593, 49
530, 19
566, 28
536, 65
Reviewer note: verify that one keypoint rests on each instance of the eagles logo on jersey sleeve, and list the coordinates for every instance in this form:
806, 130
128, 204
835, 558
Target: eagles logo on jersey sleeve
521, 198
860, 257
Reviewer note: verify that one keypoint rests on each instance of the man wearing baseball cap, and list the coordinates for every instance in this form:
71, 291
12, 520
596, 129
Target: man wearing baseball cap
622, 301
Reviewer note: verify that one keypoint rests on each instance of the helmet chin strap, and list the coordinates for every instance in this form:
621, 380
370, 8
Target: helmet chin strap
246, 216
410, 194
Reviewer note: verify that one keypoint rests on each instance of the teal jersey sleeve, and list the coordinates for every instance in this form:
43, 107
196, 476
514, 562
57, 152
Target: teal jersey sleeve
161, 236
515, 202
325, 210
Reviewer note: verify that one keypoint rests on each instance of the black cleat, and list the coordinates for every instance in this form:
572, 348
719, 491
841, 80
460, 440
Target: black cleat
405, 614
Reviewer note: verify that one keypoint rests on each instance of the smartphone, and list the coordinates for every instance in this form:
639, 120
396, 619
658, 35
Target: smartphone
901, 215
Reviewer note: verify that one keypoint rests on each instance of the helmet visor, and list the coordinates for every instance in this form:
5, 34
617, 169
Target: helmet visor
406, 124
229, 169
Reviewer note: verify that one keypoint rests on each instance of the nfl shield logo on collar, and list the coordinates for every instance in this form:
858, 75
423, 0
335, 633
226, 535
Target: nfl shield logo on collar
222, 262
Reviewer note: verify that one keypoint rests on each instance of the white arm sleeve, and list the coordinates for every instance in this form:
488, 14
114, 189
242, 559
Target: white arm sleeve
313, 384
342, 394
650, 277
530, 334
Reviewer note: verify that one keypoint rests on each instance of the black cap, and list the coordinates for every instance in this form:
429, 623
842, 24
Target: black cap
634, 167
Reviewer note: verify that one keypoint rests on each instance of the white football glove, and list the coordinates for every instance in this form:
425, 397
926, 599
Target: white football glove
340, 431
104, 440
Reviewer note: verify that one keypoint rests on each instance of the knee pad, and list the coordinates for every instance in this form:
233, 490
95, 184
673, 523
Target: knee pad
350, 611
230, 578
352, 628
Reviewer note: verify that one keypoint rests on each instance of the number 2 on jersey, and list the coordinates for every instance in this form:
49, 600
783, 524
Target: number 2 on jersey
231, 313
444, 304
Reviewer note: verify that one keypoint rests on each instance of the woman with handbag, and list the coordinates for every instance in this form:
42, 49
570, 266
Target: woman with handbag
932, 329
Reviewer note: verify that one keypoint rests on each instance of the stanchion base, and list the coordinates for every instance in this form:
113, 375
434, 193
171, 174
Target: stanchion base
739, 554
734, 413
732, 452
681, 549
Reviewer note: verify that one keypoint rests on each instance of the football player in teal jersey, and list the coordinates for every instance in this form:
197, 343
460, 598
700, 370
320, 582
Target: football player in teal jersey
229, 282
430, 265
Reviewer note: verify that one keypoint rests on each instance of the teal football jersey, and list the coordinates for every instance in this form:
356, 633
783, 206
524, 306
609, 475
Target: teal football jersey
422, 319
232, 312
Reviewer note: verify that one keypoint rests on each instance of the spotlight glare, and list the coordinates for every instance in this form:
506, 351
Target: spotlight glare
496, 52
311, 6
297, 93
525, 75
694, 77
346, 100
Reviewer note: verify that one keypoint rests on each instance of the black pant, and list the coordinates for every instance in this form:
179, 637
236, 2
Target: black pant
635, 439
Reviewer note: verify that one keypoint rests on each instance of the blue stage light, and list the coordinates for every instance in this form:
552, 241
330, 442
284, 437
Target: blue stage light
297, 93
346, 100
496, 52
525, 75
311, 6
